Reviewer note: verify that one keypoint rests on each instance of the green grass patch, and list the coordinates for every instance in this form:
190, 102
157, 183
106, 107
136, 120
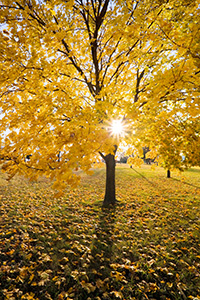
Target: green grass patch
148, 247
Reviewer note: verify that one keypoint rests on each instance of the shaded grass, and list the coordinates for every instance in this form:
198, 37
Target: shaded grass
148, 247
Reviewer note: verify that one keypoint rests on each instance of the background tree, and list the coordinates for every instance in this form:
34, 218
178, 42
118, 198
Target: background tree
169, 122
176, 143
69, 68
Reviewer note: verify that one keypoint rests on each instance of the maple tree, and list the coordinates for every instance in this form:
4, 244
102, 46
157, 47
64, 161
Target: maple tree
68, 68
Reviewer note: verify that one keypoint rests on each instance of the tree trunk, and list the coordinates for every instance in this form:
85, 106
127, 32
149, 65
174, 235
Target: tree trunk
110, 197
168, 174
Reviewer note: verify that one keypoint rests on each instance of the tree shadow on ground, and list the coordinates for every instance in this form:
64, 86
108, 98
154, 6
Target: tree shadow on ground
186, 183
102, 254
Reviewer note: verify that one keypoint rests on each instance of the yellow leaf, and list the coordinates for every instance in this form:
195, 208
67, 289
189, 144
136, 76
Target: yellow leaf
31, 278
88, 286
117, 294
55, 278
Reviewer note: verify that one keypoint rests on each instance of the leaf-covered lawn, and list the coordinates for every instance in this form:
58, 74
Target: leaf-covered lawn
148, 247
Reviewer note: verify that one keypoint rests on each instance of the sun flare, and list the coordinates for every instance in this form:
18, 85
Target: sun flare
117, 128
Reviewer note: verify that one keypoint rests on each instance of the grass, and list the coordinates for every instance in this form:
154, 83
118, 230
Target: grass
148, 247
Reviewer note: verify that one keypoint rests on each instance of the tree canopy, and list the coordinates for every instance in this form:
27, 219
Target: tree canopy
68, 68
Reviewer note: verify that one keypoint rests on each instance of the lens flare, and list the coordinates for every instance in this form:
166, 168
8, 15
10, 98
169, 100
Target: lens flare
117, 127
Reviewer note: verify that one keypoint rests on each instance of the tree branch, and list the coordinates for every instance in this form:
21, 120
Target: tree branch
80, 71
103, 156
137, 91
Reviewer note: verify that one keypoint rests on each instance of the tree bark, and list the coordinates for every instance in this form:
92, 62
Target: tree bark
110, 197
168, 174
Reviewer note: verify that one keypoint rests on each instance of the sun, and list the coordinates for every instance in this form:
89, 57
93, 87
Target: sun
117, 128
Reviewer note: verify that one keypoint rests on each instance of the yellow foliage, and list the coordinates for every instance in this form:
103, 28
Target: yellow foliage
137, 161
66, 73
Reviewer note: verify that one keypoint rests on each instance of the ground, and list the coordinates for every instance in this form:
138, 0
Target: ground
148, 247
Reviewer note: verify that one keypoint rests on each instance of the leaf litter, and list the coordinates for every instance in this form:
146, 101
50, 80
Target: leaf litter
148, 247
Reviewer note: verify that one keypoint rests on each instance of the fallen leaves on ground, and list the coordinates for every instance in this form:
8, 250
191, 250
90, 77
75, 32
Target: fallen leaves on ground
69, 248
